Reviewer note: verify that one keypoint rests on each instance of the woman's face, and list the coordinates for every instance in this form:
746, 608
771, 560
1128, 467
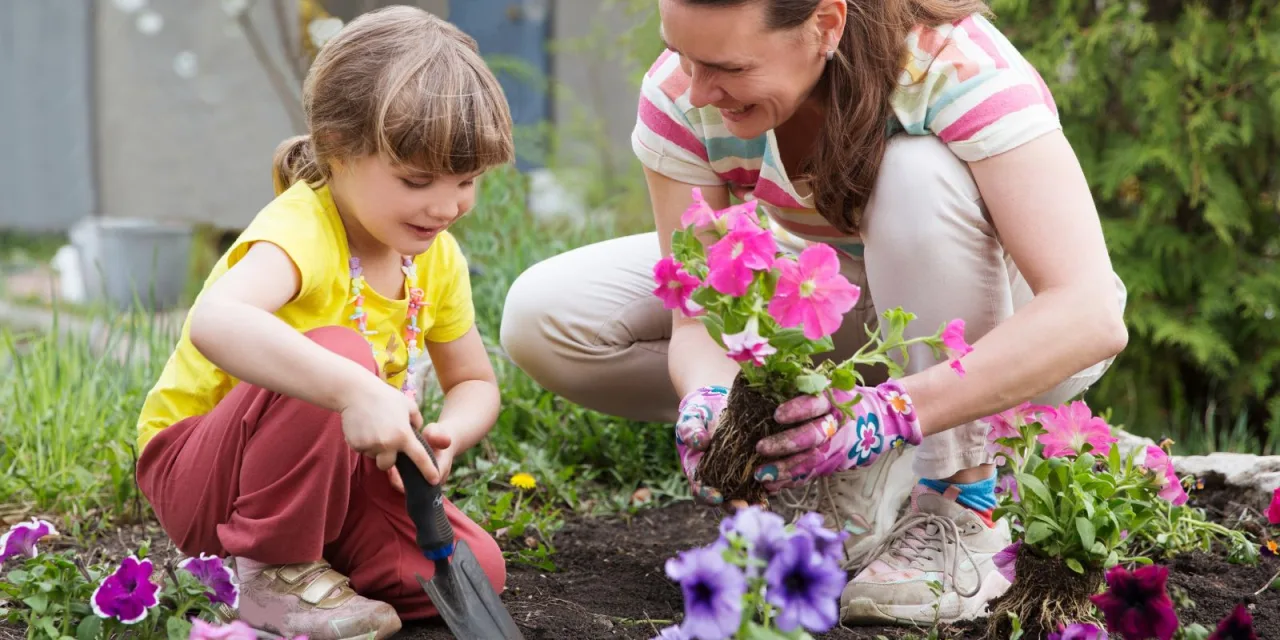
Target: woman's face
757, 77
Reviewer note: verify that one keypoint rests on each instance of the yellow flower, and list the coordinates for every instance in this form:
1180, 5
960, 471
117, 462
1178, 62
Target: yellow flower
523, 480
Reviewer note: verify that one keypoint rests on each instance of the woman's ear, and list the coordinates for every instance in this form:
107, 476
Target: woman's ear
829, 19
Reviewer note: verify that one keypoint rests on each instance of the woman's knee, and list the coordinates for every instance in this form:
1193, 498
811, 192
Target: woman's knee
924, 195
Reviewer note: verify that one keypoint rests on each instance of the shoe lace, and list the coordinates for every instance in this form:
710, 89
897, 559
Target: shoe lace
920, 537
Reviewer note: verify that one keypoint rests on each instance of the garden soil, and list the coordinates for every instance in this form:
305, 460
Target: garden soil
609, 580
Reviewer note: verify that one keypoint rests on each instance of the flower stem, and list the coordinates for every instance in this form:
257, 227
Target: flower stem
1267, 585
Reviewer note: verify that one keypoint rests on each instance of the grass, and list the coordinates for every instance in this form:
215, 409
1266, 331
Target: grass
67, 414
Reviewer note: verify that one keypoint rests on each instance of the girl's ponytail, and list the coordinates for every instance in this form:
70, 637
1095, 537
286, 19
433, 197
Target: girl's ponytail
295, 160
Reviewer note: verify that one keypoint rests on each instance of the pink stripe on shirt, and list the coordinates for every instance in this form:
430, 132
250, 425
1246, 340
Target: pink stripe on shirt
770, 192
991, 110
657, 64
666, 128
980, 38
740, 175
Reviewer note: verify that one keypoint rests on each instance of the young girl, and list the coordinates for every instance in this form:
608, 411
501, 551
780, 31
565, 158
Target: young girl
272, 433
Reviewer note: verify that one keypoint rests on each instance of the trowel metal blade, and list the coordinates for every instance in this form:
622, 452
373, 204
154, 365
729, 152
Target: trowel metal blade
467, 601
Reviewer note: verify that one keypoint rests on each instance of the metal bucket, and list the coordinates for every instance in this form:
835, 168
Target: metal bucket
128, 262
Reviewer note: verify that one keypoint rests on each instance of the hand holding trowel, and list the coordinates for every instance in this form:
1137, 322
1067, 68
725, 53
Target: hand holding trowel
460, 590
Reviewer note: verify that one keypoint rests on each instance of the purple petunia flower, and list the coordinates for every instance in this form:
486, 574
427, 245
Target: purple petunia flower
1008, 484
236, 630
1006, 561
1136, 605
127, 593
763, 531
671, 633
21, 539
827, 543
212, 573
1079, 631
1238, 625
804, 585
713, 591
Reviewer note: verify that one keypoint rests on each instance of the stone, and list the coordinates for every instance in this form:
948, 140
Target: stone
1245, 470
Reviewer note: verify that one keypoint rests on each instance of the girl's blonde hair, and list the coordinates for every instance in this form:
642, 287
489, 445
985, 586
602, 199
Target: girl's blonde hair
403, 83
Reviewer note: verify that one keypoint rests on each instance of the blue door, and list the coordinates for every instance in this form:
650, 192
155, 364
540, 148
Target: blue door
514, 31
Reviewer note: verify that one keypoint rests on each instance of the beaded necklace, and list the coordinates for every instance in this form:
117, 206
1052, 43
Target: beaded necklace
411, 329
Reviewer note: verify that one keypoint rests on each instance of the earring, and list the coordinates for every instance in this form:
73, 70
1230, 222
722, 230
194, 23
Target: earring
831, 54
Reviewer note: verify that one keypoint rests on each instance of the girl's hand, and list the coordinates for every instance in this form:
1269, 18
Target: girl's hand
441, 445
830, 440
380, 422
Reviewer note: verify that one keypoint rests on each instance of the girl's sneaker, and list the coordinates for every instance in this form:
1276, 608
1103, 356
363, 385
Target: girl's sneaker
313, 600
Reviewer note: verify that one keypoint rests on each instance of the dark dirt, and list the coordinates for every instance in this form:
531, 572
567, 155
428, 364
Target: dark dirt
610, 582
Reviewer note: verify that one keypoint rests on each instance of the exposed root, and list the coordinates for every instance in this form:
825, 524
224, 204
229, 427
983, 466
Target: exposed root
1045, 594
731, 459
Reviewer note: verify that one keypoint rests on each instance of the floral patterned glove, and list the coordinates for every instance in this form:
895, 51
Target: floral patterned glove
698, 414
883, 418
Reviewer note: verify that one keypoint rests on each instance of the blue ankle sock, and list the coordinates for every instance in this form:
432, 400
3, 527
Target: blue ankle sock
979, 496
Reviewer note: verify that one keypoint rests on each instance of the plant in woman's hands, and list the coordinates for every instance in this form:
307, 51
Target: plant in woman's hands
761, 579
772, 312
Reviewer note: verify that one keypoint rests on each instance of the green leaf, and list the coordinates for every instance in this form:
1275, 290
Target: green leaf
1038, 532
1075, 565
39, 603
1113, 559
788, 339
177, 628
757, 632
714, 327
1035, 486
843, 379
89, 628
1087, 532
812, 383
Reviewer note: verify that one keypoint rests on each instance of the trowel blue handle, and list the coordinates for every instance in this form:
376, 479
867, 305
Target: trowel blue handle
425, 503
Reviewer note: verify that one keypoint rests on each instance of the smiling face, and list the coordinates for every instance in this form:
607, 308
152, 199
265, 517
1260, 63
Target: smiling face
397, 207
756, 76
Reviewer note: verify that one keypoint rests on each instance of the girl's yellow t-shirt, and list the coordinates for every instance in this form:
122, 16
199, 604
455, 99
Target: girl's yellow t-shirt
304, 223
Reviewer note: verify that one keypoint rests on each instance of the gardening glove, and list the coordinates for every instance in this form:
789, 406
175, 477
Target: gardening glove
883, 418
699, 412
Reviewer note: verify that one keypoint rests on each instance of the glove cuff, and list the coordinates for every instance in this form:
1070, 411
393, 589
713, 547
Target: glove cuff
701, 393
899, 414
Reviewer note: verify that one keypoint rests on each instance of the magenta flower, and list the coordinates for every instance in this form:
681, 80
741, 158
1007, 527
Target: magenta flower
733, 261
700, 216
212, 573
713, 591
126, 594
1166, 478
954, 344
1238, 625
748, 346
812, 293
1136, 605
675, 286
21, 539
1078, 631
804, 585
1070, 427
237, 630
1273, 511
1006, 561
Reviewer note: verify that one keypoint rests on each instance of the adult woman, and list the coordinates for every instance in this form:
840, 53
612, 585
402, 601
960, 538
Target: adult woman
913, 138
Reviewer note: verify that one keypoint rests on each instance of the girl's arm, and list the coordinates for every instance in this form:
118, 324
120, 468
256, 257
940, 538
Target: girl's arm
693, 358
1041, 206
471, 396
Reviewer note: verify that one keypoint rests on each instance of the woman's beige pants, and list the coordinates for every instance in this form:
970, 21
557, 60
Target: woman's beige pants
586, 325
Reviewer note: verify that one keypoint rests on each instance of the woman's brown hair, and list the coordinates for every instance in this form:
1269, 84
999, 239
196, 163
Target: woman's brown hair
859, 84
403, 83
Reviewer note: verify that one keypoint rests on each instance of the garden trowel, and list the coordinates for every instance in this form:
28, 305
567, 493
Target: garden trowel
460, 590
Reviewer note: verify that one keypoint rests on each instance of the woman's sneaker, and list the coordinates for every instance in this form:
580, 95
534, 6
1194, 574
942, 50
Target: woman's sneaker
312, 599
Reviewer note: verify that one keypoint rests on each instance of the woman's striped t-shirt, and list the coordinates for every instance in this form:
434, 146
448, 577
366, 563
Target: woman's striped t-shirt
963, 82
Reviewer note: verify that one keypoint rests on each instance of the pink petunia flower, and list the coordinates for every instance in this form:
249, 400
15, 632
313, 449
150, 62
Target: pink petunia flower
1007, 424
1070, 427
1166, 478
701, 217
733, 261
21, 539
1273, 511
748, 345
811, 292
954, 344
676, 286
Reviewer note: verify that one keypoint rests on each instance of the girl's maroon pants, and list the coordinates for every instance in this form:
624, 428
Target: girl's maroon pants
271, 478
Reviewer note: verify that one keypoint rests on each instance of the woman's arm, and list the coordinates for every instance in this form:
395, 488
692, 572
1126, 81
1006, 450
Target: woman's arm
693, 357
1041, 205
234, 326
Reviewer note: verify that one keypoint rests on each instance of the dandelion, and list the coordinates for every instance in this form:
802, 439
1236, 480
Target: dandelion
1166, 478
675, 286
212, 573
1079, 631
1070, 427
21, 539
128, 593
748, 345
733, 261
804, 585
811, 293
1238, 625
954, 344
524, 481
713, 591
1136, 605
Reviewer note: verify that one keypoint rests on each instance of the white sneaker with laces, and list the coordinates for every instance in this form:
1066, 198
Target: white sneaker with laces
938, 541
865, 501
